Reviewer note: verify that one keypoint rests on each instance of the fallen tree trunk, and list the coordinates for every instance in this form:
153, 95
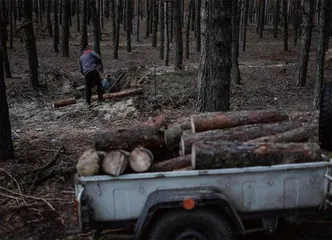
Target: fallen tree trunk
63, 102
172, 164
225, 154
295, 135
115, 162
128, 139
173, 135
119, 94
219, 120
156, 122
240, 133
140, 159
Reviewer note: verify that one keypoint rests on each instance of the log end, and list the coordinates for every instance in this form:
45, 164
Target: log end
193, 156
192, 122
140, 159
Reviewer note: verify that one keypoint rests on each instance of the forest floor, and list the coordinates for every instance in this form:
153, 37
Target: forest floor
48, 141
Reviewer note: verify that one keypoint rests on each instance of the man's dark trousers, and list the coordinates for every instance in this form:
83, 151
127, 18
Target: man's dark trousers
93, 78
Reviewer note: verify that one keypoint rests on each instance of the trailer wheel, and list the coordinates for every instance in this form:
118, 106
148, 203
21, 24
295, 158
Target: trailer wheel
325, 118
191, 225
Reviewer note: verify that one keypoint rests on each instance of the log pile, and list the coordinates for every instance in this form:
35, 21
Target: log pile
208, 141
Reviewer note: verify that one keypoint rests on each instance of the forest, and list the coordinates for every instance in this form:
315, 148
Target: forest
173, 58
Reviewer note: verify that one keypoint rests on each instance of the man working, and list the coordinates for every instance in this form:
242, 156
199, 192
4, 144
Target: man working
91, 64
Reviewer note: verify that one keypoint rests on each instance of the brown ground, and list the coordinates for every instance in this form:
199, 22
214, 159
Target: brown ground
44, 135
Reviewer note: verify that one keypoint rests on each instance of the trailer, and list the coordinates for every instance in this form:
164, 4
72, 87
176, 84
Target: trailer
203, 204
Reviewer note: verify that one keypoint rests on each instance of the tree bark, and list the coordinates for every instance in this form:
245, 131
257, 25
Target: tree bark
162, 30
56, 40
6, 144
302, 67
84, 36
115, 162
215, 62
171, 164
11, 35
113, 18
65, 27
63, 102
128, 19
140, 159
244, 26
178, 35
198, 25
301, 134
147, 26
187, 46
167, 38
261, 18
154, 23
30, 43
296, 21
173, 135
128, 92
96, 26
276, 18
3, 48
235, 72
285, 15
138, 20
49, 22
240, 133
223, 154
219, 120
320, 54
129, 139
78, 24
117, 31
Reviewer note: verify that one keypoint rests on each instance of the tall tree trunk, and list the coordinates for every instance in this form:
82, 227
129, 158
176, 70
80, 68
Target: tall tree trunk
178, 35
78, 16
138, 20
56, 26
198, 25
6, 144
113, 16
276, 18
118, 21
302, 67
107, 9
84, 36
285, 15
244, 25
30, 42
296, 21
215, 63
96, 26
49, 22
147, 26
15, 8
155, 23
11, 11
3, 48
262, 18
60, 11
187, 49
128, 18
235, 72
162, 30
65, 27
171, 20
320, 55
166, 21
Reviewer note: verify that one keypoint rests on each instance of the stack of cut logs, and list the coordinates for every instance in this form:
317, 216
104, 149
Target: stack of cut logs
208, 141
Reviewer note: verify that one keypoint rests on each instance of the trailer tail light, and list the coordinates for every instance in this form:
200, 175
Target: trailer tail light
188, 203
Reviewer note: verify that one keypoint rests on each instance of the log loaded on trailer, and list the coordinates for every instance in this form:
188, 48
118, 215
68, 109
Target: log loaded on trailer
228, 185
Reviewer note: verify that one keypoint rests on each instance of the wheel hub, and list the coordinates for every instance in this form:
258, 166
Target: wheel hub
190, 234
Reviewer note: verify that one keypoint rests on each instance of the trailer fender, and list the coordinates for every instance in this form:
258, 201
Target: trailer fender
173, 199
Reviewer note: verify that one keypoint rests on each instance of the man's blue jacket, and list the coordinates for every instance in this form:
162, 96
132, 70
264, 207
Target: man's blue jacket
90, 61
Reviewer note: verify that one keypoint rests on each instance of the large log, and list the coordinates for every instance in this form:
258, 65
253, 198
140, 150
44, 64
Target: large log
225, 154
63, 102
301, 134
240, 133
128, 139
124, 93
172, 164
219, 120
173, 135
115, 162
140, 159
89, 163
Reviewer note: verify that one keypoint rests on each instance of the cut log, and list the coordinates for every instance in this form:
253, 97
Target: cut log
225, 154
128, 139
89, 163
240, 133
219, 120
156, 122
63, 102
140, 159
295, 135
125, 93
115, 162
173, 135
172, 164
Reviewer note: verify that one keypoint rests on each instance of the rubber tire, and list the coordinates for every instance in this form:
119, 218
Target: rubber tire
325, 118
205, 220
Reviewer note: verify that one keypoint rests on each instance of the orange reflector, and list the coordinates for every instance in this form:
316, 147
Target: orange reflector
188, 203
